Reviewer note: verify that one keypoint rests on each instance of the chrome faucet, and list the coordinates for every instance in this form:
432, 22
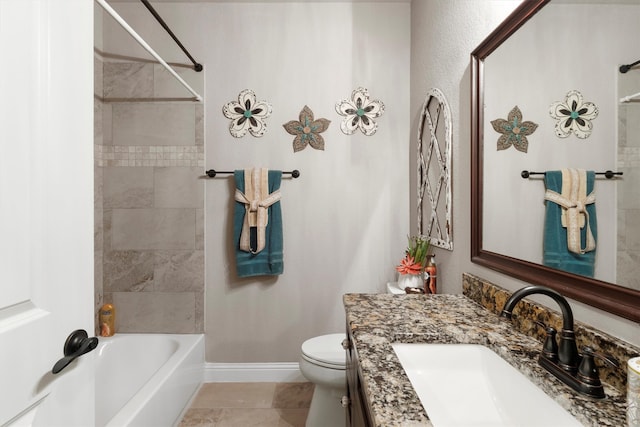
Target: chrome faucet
562, 359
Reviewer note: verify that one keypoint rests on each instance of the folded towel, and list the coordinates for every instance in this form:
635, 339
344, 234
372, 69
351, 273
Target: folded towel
257, 223
570, 226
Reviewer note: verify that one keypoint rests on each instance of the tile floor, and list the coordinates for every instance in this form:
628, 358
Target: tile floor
249, 405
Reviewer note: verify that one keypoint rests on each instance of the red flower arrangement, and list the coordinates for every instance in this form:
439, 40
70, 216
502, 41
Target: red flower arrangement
409, 266
415, 256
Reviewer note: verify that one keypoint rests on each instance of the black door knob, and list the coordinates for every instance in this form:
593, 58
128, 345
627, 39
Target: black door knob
77, 344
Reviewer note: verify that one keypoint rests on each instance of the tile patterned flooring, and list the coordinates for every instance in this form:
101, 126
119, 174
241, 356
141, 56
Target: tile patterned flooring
249, 405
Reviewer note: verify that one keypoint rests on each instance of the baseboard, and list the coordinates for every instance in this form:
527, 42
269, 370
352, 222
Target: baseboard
252, 372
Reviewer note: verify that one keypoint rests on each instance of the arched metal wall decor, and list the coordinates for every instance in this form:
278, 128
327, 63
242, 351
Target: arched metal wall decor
434, 170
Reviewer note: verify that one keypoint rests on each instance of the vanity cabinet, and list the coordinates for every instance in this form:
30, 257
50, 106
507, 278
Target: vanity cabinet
358, 414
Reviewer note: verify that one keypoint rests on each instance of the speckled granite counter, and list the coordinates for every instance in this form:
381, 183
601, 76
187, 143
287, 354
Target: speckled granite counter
377, 320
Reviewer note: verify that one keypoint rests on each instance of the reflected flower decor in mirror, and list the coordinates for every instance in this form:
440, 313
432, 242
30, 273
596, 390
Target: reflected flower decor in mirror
247, 114
514, 131
359, 113
307, 130
573, 115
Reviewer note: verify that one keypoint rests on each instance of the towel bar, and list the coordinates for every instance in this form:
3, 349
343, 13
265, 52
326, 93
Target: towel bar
607, 174
211, 173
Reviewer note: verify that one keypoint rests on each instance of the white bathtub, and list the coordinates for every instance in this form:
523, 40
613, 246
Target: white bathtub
146, 379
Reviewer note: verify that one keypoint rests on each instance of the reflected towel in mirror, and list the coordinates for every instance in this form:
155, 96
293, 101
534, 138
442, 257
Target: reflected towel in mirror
570, 227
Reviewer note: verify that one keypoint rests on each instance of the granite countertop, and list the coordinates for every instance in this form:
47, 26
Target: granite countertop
378, 320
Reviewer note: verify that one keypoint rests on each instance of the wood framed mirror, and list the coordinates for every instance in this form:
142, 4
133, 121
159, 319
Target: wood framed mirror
607, 296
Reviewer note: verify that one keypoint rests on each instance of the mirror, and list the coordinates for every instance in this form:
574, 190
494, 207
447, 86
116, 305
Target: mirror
501, 78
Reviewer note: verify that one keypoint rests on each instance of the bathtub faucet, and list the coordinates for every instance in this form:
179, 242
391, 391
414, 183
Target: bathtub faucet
77, 344
562, 360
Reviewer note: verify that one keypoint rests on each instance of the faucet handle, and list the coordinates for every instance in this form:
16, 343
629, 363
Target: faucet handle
609, 359
588, 371
550, 346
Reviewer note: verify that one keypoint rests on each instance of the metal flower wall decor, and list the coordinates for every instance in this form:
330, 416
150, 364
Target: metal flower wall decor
247, 114
514, 131
573, 115
307, 130
359, 112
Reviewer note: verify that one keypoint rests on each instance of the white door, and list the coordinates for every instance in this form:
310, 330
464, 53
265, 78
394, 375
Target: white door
46, 209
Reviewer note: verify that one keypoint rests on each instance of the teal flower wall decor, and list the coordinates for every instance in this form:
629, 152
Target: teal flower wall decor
573, 115
307, 130
514, 131
359, 112
247, 114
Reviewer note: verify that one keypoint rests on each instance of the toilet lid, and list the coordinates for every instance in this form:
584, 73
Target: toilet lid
325, 349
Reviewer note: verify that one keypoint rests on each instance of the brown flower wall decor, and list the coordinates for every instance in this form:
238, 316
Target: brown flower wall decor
307, 130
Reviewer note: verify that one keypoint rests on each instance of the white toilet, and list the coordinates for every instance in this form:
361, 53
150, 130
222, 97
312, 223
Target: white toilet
322, 361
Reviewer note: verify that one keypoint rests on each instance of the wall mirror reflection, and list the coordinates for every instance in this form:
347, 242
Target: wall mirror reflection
566, 52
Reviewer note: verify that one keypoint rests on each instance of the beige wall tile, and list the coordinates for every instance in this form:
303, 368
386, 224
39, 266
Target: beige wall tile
199, 124
140, 229
130, 271
128, 80
628, 268
167, 86
178, 187
107, 124
632, 125
632, 230
98, 76
629, 195
168, 312
150, 232
98, 106
128, 187
179, 271
153, 124
199, 310
200, 230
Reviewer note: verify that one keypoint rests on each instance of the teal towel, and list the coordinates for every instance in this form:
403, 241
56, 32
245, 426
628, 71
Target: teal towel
269, 261
555, 251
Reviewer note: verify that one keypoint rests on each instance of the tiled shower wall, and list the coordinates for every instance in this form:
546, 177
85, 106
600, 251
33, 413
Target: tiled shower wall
628, 256
149, 158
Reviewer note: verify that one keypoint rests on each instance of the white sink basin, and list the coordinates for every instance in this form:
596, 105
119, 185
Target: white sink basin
470, 385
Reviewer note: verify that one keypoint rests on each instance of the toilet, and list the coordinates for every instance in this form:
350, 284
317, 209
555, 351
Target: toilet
322, 361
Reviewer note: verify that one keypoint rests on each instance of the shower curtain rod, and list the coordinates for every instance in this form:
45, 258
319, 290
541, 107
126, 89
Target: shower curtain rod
196, 65
625, 68
146, 46
631, 98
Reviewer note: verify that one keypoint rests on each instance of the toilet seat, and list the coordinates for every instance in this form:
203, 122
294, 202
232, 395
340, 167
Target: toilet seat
325, 351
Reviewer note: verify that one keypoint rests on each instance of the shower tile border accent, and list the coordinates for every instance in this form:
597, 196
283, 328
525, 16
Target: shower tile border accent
149, 155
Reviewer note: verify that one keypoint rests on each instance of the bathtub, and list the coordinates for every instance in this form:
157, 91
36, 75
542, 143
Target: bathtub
146, 379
